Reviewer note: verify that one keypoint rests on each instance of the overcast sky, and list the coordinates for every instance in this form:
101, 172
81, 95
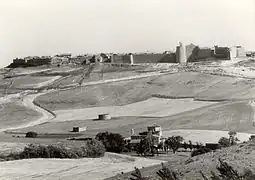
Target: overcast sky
46, 27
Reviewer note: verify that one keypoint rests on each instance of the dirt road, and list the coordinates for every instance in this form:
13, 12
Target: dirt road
28, 100
118, 79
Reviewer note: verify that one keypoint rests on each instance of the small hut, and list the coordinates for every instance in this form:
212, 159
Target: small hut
76, 129
104, 117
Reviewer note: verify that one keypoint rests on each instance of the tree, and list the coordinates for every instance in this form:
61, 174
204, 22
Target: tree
185, 146
232, 137
31, 134
197, 145
232, 140
224, 142
190, 145
201, 150
113, 142
174, 142
146, 145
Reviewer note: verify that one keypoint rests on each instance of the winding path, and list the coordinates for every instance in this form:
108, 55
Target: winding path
47, 115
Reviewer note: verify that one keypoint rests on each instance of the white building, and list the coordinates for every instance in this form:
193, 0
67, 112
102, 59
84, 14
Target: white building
59, 60
181, 54
237, 51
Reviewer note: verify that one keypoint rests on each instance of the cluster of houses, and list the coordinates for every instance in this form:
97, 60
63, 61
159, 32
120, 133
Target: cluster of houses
157, 138
58, 59
154, 129
182, 54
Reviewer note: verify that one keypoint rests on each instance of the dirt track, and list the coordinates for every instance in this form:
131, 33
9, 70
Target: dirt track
28, 100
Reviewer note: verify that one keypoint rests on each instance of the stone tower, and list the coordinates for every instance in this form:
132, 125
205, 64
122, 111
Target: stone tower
131, 57
181, 54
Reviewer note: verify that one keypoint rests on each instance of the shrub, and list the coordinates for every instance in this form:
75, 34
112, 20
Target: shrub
199, 151
113, 142
232, 140
185, 146
164, 174
137, 175
174, 142
232, 137
190, 145
226, 172
145, 146
90, 148
224, 142
167, 174
31, 134
35, 151
95, 148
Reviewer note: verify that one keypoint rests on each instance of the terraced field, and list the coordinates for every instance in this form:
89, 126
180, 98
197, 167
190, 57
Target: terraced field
236, 116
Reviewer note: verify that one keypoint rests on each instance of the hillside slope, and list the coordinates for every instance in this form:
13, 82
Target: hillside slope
178, 85
239, 157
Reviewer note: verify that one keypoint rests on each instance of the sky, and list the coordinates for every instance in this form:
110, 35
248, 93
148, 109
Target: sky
48, 27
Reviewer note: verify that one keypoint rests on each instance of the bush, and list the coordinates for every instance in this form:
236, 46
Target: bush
174, 142
91, 148
167, 174
113, 142
137, 175
224, 142
145, 147
163, 174
199, 151
226, 172
232, 140
95, 148
31, 134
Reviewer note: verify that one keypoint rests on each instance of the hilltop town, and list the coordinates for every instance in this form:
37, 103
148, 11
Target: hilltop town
189, 53
105, 114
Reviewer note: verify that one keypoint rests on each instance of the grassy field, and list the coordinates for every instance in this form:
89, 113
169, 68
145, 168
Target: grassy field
24, 82
152, 107
131, 106
229, 88
118, 93
96, 76
236, 116
186, 84
3, 92
14, 114
67, 169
